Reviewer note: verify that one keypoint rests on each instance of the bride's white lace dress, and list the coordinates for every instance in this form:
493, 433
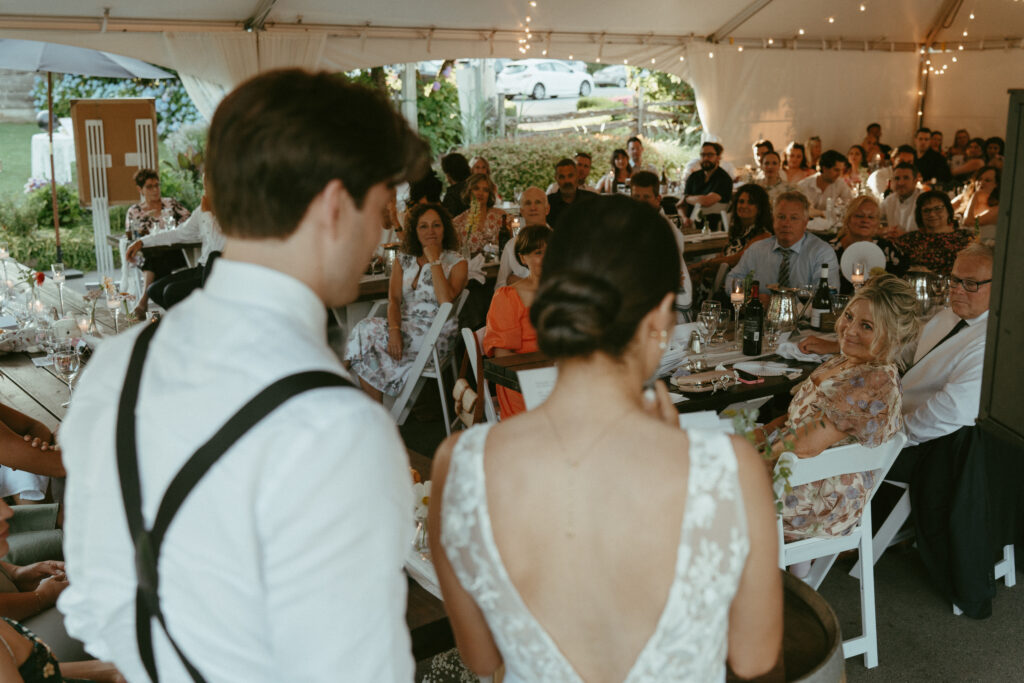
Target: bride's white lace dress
689, 642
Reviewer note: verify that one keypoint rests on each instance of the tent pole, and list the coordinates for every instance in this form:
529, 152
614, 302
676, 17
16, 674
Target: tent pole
53, 176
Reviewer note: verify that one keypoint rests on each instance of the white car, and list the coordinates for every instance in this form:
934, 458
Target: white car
540, 78
615, 74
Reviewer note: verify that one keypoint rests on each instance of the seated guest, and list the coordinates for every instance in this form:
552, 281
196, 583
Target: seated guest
583, 164
635, 148
861, 224
979, 202
790, 258
898, 207
480, 166
876, 151
930, 164
456, 170
618, 175
823, 185
958, 150
427, 273
935, 243
152, 214
852, 398
645, 188
761, 147
507, 554
880, 182
942, 386
857, 167
750, 220
994, 147
973, 161
568, 191
937, 141
706, 187
772, 177
533, 211
813, 150
796, 163
508, 320
479, 225
426, 190
202, 227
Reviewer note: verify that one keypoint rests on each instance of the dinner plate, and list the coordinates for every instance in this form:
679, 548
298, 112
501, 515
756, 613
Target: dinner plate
705, 382
868, 253
763, 368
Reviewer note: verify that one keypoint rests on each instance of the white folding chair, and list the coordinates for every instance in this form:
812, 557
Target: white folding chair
419, 373
822, 552
474, 344
721, 208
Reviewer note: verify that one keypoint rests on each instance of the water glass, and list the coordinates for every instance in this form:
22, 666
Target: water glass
66, 363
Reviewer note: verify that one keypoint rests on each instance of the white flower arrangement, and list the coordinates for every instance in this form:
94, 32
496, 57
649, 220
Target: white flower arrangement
421, 500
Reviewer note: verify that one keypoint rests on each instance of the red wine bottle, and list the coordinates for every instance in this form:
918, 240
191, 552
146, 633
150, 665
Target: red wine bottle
753, 322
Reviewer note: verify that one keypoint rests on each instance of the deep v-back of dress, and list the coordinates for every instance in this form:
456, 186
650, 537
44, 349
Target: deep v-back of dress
689, 641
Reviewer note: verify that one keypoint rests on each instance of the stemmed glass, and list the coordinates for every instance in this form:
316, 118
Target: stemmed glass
708, 317
66, 363
724, 318
114, 306
59, 277
736, 298
858, 275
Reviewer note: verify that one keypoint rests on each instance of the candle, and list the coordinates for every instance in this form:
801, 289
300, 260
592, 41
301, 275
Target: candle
83, 324
857, 279
736, 298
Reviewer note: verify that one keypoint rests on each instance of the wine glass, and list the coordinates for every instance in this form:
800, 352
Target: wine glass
708, 317
66, 363
736, 298
839, 302
724, 318
59, 277
114, 306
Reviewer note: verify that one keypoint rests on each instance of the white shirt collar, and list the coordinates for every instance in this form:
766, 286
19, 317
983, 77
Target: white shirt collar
254, 287
974, 321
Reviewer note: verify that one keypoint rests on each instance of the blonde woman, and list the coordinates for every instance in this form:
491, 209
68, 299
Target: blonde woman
479, 225
861, 223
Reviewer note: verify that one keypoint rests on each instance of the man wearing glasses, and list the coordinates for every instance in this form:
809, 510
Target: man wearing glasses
942, 384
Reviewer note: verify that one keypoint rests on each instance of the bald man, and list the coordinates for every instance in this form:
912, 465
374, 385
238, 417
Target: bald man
533, 209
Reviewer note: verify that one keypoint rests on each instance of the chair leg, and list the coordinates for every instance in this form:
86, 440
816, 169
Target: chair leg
890, 530
441, 392
867, 592
1005, 569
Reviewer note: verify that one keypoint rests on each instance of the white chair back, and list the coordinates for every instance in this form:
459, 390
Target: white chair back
474, 342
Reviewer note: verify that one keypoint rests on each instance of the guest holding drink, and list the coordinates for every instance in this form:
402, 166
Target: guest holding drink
861, 224
980, 201
480, 224
548, 549
935, 243
508, 321
427, 273
854, 397
972, 161
619, 173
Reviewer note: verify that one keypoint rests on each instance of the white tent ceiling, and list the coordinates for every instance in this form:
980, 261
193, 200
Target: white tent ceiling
830, 79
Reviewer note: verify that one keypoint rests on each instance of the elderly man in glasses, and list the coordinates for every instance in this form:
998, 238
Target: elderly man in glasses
942, 384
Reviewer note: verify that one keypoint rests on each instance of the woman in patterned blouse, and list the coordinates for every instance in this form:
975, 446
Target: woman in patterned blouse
936, 242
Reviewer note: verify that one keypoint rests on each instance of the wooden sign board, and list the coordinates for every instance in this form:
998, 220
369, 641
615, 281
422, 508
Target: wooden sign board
118, 137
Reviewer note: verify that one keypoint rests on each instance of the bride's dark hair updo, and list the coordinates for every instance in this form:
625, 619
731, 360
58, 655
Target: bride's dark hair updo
610, 261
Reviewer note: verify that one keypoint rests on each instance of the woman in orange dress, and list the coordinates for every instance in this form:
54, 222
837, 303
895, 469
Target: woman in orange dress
508, 320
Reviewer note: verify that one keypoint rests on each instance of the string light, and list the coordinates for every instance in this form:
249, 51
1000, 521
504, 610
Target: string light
711, 55
972, 15
831, 20
771, 41
863, 7
682, 58
625, 61
739, 49
965, 33
653, 60
801, 31
954, 59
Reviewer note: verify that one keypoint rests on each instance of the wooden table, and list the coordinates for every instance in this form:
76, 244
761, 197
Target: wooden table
503, 372
696, 250
188, 249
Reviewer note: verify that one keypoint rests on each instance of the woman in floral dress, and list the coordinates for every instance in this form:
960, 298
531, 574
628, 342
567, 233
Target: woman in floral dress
936, 242
427, 273
853, 398
480, 224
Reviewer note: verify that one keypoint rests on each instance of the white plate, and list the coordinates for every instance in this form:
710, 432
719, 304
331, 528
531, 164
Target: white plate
868, 253
764, 368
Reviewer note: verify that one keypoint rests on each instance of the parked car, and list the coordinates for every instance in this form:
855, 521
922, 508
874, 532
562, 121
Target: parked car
540, 78
616, 74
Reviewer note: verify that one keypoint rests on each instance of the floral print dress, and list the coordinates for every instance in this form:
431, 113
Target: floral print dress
472, 236
367, 346
138, 222
863, 400
41, 665
935, 251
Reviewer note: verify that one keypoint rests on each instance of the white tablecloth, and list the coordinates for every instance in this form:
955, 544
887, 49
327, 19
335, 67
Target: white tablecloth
63, 155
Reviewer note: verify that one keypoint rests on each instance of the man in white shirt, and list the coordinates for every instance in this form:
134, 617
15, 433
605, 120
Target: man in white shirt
644, 188
942, 386
285, 561
823, 185
880, 181
533, 210
898, 207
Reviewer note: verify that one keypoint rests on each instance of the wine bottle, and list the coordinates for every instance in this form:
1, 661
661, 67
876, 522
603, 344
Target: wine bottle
821, 304
504, 235
753, 322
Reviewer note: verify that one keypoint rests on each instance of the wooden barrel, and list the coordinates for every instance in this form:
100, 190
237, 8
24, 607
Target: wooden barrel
812, 646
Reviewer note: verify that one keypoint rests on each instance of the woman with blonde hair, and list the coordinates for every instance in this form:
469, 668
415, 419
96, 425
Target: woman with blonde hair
854, 397
480, 224
861, 223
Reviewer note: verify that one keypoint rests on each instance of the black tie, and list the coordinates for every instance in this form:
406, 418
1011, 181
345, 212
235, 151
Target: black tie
956, 328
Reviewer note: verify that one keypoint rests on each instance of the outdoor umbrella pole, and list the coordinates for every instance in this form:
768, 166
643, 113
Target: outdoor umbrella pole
53, 175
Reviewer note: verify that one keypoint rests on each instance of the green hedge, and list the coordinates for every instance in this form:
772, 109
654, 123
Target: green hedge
517, 164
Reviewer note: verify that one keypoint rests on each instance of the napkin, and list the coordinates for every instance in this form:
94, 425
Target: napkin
476, 269
788, 349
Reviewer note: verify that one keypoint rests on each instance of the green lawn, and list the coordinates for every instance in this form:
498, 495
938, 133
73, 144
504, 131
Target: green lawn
16, 156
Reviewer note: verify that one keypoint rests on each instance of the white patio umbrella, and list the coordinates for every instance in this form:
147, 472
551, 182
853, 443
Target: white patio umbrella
50, 58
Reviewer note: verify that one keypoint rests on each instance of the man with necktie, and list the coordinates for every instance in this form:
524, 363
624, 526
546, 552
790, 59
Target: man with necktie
942, 384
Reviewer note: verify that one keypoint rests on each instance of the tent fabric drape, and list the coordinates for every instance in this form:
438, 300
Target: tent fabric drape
972, 94
787, 95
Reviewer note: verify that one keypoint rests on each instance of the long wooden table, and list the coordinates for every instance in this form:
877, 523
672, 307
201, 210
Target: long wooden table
503, 370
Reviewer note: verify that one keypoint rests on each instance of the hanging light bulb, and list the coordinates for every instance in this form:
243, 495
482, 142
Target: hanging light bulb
771, 41
863, 7
831, 20
972, 15
954, 59
711, 55
739, 49
682, 58
801, 31
653, 60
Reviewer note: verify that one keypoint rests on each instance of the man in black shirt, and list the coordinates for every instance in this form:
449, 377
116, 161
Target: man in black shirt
930, 164
456, 170
710, 185
568, 191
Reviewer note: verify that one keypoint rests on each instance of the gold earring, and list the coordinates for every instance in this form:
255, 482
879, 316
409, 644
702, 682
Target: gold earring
663, 344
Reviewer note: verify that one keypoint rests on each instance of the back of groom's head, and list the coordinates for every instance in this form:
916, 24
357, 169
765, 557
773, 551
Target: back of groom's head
279, 138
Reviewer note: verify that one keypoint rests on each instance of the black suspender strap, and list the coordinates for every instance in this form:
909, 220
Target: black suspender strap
147, 542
